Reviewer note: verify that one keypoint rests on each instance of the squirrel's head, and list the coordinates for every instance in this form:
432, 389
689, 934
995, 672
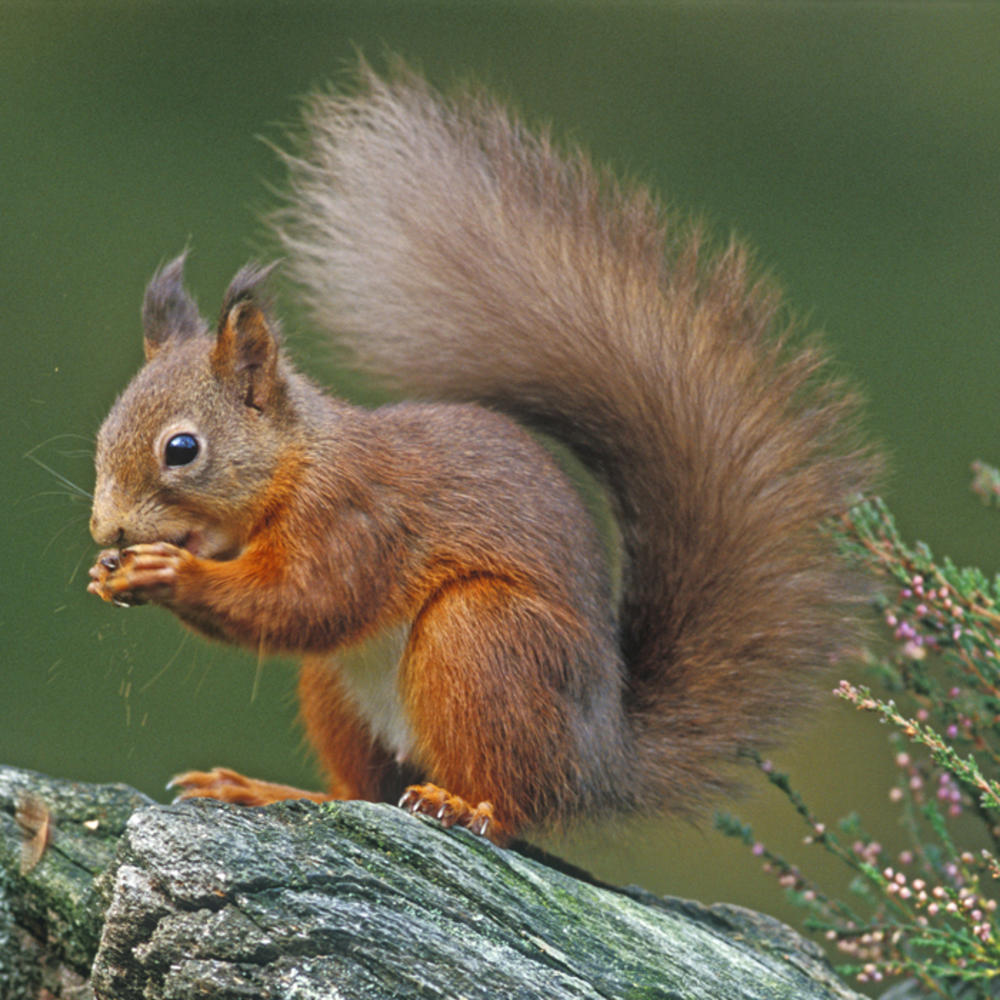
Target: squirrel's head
189, 449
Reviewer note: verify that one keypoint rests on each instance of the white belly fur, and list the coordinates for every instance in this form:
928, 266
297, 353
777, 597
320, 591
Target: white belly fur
370, 675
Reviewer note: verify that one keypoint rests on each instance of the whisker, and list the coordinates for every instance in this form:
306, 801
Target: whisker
89, 438
62, 494
68, 483
69, 524
76, 569
166, 666
257, 675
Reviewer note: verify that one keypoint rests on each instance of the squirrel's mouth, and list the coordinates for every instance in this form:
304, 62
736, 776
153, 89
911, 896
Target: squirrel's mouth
208, 544
191, 541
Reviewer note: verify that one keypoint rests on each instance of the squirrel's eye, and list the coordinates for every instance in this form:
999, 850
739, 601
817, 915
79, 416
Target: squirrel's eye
181, 449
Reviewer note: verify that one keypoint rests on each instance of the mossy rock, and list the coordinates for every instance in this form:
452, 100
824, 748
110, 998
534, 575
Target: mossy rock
351, 900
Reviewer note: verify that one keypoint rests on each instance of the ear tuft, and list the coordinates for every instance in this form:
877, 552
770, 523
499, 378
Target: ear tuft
246, 347
168, 311
246, 285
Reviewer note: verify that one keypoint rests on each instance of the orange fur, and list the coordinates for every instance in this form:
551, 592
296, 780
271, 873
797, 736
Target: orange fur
463, 258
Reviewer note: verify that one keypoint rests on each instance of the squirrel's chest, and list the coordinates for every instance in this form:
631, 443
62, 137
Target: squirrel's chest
371, 678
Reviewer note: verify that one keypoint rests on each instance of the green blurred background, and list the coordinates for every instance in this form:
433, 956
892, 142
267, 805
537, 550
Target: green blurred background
856, 146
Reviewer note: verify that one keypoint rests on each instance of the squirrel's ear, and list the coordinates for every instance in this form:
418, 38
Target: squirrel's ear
246, 345
168, 312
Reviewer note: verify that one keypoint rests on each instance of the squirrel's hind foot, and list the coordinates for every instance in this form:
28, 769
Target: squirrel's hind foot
452, 810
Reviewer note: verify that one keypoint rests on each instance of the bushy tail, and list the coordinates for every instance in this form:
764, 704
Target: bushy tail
460, 256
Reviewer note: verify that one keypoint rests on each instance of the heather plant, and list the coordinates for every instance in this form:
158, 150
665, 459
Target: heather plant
925, 917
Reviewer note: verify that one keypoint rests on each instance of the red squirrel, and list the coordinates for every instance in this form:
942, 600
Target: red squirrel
503, 285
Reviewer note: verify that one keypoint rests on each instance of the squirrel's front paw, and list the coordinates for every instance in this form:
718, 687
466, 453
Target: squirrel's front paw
138, 574
230, 786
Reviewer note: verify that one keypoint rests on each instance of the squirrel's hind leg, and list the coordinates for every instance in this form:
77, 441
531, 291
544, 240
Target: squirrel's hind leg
484, 678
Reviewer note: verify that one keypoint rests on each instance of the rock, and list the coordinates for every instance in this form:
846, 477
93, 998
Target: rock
347, 900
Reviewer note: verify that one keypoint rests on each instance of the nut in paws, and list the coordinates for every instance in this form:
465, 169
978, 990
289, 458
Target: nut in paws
138, 574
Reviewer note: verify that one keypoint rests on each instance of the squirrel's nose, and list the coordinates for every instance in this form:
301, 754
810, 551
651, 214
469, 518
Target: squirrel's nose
106, 535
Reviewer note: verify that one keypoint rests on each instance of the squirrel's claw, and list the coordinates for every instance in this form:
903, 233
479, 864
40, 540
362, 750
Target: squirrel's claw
450, 810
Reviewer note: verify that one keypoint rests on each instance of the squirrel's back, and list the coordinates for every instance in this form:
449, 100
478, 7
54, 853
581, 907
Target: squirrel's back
461, 257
